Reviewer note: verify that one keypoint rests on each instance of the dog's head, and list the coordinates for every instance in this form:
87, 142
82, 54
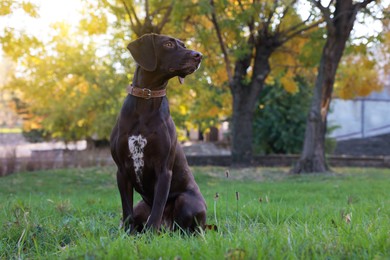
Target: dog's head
164, 54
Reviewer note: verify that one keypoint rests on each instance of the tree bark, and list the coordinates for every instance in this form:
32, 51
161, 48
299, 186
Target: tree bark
339, 28
245, 98
241, 127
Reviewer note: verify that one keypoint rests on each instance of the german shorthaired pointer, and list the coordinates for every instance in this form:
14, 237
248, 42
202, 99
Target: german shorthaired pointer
144, 142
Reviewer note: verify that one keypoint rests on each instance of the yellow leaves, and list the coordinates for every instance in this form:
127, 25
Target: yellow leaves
30, 8
8, 6
220, 76
357, 76
182, 109
73, 86
270, 80
5, 7
82, 87
285, 65
214, 111
34, 124
62, 35
81, 122
288, 82
94, 24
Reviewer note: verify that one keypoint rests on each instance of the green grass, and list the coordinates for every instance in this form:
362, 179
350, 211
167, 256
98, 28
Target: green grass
70, 214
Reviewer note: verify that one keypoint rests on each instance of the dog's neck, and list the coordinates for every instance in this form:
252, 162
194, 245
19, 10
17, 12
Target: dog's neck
149, 79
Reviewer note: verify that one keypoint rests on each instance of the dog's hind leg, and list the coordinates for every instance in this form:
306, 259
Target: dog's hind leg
189, 212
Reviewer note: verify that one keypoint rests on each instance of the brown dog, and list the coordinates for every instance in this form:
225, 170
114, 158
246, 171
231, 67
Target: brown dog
144, 143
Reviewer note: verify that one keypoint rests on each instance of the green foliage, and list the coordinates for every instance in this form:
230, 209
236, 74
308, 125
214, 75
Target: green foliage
68, 92
310, 55
34, 135
280, 119
277, 216
15, 44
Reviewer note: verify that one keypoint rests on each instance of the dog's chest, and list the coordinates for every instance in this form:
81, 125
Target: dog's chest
137, 145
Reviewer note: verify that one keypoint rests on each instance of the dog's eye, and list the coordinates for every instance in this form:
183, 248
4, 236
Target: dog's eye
169, 44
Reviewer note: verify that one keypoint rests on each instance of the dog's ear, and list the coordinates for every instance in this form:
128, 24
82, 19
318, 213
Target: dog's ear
143, 52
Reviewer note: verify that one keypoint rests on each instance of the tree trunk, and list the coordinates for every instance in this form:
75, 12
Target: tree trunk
245, 96
313, 154
242, 128
338, 30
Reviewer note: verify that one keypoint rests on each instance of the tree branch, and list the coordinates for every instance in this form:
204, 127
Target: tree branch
295, 27
132, 23
324, 10
363, 4
241, 6
134, 14
271, 14
166, 16
127, 11
250, 23
221, 43
147, 9
284, 13
295, 33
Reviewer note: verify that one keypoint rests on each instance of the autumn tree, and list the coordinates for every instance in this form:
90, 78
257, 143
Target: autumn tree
249, 33
65, 84
339, 17
65, 88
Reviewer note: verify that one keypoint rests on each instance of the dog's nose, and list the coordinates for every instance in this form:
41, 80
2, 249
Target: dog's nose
196, 55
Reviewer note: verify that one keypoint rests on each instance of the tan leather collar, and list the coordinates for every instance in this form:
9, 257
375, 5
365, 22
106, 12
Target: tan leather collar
145, 92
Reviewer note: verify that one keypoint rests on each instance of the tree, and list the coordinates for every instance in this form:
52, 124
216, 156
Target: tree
339, 17
249, 33
63, 89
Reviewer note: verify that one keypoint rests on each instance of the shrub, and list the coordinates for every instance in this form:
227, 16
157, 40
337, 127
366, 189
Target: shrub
280, 119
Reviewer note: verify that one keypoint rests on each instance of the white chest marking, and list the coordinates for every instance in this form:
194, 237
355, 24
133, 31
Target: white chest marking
136, 148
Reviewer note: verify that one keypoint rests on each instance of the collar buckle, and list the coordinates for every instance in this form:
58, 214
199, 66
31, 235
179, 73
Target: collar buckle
147, 93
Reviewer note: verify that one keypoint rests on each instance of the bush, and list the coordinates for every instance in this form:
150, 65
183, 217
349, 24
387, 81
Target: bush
34, 135
280, 120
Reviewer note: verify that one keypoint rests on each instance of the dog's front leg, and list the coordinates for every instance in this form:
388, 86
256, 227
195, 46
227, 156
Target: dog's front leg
126, 192
162, 188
